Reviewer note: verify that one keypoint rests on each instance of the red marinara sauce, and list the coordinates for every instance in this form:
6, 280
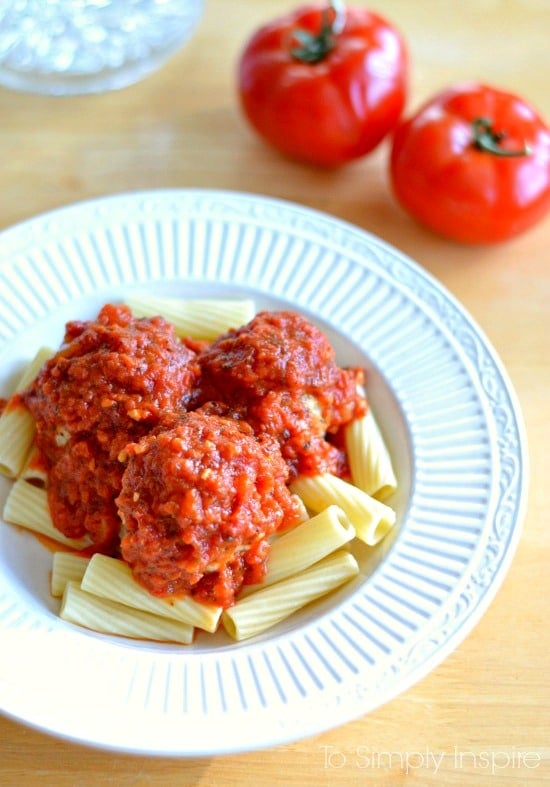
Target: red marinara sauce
279, 373
114, 379
198, 503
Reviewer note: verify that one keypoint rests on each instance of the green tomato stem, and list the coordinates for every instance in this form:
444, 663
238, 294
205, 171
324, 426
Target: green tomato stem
314, 47
489, 141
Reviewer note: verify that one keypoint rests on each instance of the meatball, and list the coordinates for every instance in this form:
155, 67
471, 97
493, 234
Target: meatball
112, 375
198, 503
280, 374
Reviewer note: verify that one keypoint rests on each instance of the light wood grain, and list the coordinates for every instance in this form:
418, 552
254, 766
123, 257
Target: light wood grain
182, 128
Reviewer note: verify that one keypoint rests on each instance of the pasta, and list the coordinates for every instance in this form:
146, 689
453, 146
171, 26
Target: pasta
371, 519
270, 605
307, 543
370, 463
17, 424
66, 567
112, 578
27, 506
33, 469
197, 319
109, 617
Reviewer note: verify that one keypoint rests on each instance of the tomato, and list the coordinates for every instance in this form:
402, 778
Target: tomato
323, 84
473, 164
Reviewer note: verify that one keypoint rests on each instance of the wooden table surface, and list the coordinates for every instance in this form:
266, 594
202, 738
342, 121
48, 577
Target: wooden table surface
483, 714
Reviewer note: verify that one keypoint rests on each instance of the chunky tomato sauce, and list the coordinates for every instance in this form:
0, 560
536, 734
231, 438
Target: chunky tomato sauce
198, 503
279, 373
176, 455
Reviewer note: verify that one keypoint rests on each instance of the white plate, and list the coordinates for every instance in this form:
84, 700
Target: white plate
446, 407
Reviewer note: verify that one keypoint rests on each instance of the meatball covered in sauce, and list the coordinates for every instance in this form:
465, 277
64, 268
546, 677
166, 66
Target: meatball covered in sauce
279, 373
112, 374
198, 503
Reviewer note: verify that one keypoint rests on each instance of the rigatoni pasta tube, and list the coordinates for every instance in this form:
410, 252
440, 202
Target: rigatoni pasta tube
307, 543
370, 518
17, 426
34, 469
27, 506
108, 617
270, 605
198, 319
112, 578
66, 567
369, 460
17, 430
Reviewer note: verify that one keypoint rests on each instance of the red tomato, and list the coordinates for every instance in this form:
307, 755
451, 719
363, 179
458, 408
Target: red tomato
319, 93
473, 164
